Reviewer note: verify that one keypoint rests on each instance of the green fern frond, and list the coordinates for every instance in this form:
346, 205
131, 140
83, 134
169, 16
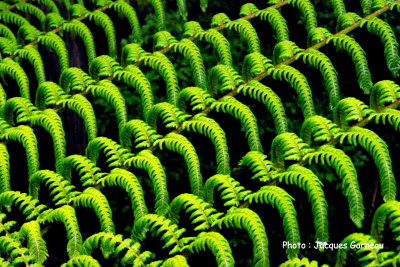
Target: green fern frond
81, 261
303, 262
277, 22
115, 154
382, 93
258, 164
31, 54
12, 246
26, 204
285, 50
175, 261
243, 218
6, 226
299, 83
15, 71
368, 255
283, 202
80, 29
103, 67
218, 245
159, 9
223, 78
145, 160
265, 95
247, 32
181, 145
59, 187
350, 109
81, 106
102, 20
116, 244
219, 20
93, 199
247, 119
219, 43
344, 42
50, 5
129, 12
52, 123
143, 134
75, 79
17, 110
182, 9
159, 62
129, 182
288, 146
192, 28
318, 35
27, 138
36, 245
198, 98
318, 129
193, 55
379, 151
210, 128
391, 116
67, 216
134, 77
7, 46
163, 40
366, 6
88, 172
52, 41
53, 21
7, 32
389, 211
8, 17
28, 33
201, 213
309, 182
170, 115
328, 155
160, 226
5, 184
231, 192
255, 64
31, 10
132, 53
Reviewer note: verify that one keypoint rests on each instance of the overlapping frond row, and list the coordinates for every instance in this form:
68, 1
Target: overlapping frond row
57, 82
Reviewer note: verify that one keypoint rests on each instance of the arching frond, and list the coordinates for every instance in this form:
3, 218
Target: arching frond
26, 204
258, 164
88, 172
36, 245
387, 212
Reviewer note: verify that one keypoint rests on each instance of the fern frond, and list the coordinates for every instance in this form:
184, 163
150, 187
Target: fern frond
218, 245
210, 128
50, 5
378, 149
52, 41
391, 116
201, 213
93, 199
247, 32
277, 22
299, 83
382, 93
7, 32
144, 135
67, 216
134, 77
132, 53
317, 35
26, 204
6, 226
163, 40
129, 12
318, 129
115, 154
129, 182
180, 144
7, 46
81, 105
367, 254
36, 245
288, 146
159, 9
193, 55
309, 182
389, 211
265, 95
197, 97
53, 21
17, 110
285, 50
223, 78
282, 201
306, 8
115, 244
5, 184
48, 93
88, 172
145, 160
243, 218
231, 192
182, 9
59, 187
15, 71
303, 262
103, 66
219, 20
31, 54
259, 165
219, 43
102, 20
163, 227
171, 116
8, 17
75, 79
12, 246
328, 155
175, 261
81, 261
247, 119
347, 43
255, 64
31, 10
350, 109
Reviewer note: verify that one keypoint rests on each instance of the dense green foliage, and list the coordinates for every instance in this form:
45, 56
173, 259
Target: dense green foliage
131, 133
